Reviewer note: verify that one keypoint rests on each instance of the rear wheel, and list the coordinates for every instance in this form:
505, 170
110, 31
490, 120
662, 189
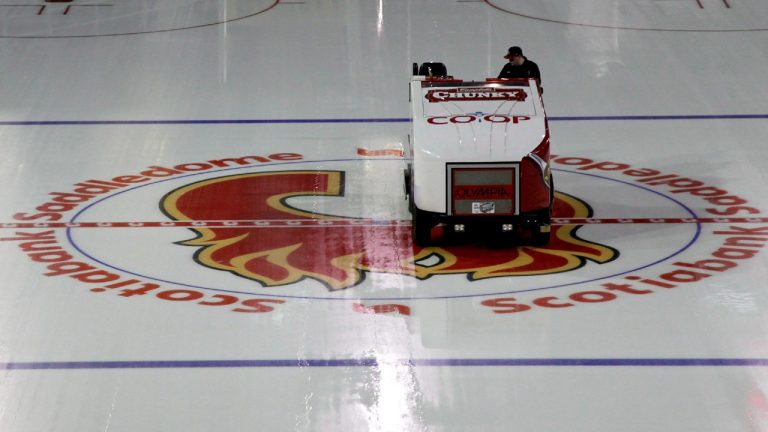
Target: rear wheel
407, 184
540, 235
421, 228
536, 230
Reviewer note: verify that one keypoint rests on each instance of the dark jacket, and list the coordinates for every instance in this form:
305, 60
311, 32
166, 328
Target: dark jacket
528, 69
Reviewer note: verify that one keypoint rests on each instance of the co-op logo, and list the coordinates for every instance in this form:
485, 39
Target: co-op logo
254, 248
477, 117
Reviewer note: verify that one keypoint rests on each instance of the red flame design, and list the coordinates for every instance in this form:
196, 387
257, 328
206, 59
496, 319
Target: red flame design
338, 255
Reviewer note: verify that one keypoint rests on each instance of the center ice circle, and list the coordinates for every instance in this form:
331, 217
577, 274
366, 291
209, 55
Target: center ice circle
169, 263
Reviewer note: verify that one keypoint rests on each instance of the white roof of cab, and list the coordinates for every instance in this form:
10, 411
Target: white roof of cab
492, 120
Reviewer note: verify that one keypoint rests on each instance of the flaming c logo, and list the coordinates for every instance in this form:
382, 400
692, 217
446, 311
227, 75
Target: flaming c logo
339, 255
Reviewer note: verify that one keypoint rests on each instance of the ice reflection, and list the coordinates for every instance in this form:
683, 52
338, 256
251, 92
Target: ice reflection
732, 300
386, 393
380, 18
397, 397
601, 50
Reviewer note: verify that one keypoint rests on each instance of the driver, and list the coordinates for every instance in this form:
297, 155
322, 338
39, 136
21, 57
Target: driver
519, 66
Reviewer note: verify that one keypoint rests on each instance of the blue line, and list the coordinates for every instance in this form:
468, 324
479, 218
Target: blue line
199, 122
373, 363
361, 120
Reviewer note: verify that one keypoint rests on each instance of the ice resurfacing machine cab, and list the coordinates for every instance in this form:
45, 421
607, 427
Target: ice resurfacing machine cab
480, 165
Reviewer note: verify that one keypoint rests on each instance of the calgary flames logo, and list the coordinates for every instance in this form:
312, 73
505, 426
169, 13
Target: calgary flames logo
339, 254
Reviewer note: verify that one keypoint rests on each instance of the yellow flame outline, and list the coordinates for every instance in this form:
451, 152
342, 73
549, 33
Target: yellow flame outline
351, 265
279, 257
574, 259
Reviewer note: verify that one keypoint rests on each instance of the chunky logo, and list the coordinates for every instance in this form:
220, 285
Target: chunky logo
476, 94
338, 251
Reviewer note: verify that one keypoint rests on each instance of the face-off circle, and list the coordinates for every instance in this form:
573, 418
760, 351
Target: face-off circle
80, 18
672, 16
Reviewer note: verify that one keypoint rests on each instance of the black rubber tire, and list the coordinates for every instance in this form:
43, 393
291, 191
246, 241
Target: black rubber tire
407, 183
539, 238
421, 229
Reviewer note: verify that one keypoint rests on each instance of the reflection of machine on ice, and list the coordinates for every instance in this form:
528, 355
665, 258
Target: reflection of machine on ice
480, 158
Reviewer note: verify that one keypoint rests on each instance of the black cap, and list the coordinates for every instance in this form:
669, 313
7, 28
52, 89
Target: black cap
513, 51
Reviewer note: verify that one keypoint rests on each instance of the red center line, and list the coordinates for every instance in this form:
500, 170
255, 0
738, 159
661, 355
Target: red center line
308, 223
